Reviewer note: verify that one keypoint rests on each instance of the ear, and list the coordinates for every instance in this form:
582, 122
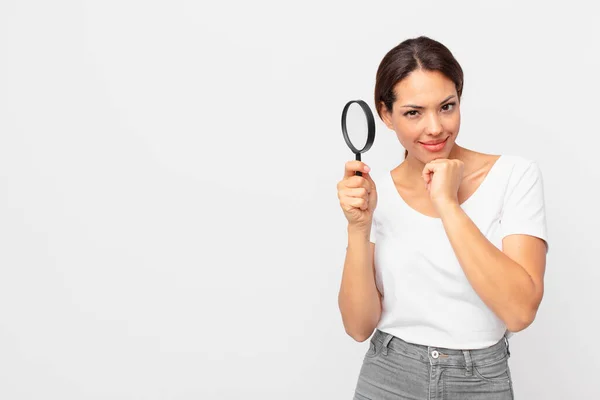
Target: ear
386, 116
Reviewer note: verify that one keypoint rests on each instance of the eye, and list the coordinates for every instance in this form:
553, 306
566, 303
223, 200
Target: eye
448, 104
408, 113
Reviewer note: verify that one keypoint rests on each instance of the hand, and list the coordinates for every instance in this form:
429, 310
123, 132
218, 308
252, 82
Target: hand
358, 195
443, 178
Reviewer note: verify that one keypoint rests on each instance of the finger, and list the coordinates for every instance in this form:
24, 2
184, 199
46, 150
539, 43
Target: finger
359, 203
357, 192
427, 171
354, 165
357, 181
348, 203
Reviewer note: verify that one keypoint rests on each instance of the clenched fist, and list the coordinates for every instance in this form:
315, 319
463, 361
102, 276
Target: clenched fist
443, 178
357, 194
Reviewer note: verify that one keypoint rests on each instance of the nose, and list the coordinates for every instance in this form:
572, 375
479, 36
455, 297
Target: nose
434, 126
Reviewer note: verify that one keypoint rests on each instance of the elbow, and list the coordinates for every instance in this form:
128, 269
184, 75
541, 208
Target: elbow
523, 320
359, 326
526, 313
519, 324
360, 330
359, 336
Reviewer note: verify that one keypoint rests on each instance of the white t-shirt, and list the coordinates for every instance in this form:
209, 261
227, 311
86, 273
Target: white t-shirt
427, 298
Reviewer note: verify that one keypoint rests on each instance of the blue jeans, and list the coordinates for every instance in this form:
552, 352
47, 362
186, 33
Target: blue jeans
395, 369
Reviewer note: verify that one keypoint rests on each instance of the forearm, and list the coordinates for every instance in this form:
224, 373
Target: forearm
503, 285
359, 300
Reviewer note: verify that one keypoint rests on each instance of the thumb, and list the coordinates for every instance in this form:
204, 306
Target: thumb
427, 171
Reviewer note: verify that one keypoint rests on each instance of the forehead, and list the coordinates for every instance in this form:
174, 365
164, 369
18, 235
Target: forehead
423, 87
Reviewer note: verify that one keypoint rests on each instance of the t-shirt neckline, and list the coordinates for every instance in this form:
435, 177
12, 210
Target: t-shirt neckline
462, 205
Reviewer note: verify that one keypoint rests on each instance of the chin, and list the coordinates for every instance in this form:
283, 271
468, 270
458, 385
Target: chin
426, 155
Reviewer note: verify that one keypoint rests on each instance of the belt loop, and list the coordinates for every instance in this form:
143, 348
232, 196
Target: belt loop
468, 362
386, 342
507, 345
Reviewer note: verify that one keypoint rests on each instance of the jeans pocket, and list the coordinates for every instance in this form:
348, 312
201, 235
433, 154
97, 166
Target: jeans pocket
496, 371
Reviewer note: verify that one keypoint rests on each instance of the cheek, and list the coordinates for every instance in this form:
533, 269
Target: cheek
406, 132
455, 122
452, 124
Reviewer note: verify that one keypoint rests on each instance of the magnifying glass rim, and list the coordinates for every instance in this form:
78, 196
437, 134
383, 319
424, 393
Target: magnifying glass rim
370, 126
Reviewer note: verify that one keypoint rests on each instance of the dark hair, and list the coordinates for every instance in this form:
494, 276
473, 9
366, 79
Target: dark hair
418, 53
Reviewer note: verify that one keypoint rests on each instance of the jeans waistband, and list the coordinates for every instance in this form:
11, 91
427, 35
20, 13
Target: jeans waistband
441, 355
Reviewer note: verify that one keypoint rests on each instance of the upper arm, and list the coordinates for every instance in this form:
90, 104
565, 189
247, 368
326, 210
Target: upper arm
523, 224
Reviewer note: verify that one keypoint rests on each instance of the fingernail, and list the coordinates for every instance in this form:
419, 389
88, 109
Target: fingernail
367, 169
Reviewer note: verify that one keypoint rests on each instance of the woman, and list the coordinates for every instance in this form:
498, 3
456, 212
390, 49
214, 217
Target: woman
446, 255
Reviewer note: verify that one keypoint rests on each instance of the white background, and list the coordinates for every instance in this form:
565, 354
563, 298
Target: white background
169, 224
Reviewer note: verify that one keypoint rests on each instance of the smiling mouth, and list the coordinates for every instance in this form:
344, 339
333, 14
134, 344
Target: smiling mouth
434, 143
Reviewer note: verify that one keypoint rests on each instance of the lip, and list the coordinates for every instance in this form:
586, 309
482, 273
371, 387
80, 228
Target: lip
435, 145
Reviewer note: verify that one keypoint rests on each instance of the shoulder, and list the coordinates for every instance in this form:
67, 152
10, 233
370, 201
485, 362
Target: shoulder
502, 166
518, 161
519, 167
521, 177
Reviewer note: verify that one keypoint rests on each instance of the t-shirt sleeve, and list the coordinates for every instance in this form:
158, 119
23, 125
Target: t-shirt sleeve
524, 207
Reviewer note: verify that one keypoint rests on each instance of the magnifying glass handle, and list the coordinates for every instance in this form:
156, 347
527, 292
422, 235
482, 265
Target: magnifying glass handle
358, 159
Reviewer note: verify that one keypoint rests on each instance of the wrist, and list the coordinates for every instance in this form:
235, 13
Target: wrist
359, 231
448, 207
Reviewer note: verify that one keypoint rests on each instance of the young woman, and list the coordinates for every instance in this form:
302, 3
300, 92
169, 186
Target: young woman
446, 254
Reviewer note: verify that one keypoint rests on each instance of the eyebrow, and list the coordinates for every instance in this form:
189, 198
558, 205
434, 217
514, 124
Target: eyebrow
414, 106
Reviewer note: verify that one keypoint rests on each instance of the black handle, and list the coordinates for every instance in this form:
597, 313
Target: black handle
358, 159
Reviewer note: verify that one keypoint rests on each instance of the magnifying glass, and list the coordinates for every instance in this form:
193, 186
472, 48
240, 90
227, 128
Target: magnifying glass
358, 123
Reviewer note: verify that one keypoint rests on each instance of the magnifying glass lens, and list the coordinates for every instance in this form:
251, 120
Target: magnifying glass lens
356, 125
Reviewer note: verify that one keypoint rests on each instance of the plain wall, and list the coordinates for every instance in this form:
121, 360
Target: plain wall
169, 225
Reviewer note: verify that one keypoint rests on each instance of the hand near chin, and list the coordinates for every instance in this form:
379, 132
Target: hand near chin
443, 178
